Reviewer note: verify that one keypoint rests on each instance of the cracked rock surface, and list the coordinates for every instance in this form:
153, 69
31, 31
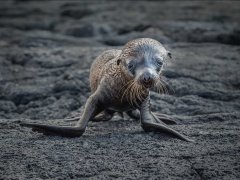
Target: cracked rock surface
47, 48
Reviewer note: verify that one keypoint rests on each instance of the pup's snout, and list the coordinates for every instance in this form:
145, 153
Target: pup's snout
147, 79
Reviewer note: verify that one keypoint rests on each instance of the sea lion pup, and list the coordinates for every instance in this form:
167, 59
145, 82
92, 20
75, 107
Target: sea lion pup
120, 81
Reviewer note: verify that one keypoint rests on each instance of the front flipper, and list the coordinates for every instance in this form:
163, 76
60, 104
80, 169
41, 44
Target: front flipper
64, 131
151, 123
91, 109
164, 118
157, 127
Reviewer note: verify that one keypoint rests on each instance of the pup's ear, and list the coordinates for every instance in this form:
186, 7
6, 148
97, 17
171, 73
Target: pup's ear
169, 55
118, 61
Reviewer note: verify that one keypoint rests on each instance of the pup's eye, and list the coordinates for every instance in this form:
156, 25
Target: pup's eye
130, 66
158, 61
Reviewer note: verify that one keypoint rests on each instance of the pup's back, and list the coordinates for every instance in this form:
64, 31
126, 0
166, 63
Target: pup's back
96, 70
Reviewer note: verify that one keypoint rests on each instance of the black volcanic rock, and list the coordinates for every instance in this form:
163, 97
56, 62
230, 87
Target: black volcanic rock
76, 13
47, 48
86, 30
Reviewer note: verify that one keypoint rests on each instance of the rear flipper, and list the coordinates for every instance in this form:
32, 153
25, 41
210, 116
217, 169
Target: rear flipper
91, 109
106, 115
64, 131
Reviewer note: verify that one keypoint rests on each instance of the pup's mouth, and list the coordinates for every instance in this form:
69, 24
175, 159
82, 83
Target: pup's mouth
147, 84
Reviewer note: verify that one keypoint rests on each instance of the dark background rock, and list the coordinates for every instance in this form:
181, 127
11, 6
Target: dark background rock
47, 48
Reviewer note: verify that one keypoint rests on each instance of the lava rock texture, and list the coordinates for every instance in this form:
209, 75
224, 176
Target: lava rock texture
46, 49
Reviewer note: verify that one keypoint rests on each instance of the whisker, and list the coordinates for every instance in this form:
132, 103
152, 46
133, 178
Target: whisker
168, 86
156, 88
129, 88
163, 86
130, 94
124, 86
160, 88
136, 94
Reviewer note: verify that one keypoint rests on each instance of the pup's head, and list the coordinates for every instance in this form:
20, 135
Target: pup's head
143, 60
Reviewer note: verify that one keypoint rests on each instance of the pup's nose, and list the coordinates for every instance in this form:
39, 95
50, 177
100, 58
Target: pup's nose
147, 77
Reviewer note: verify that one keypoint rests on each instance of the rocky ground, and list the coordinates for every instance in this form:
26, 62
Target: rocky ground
46, 49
